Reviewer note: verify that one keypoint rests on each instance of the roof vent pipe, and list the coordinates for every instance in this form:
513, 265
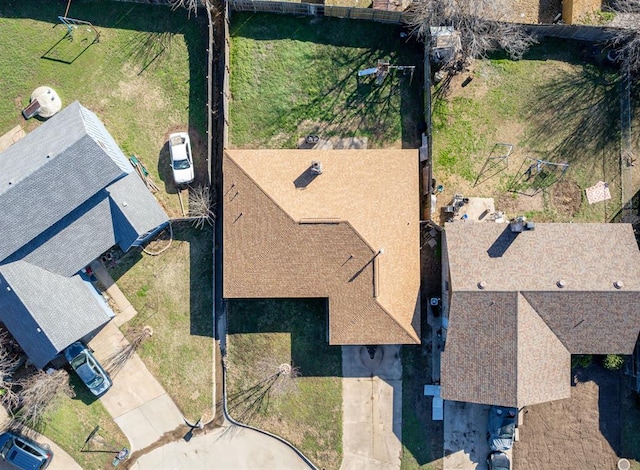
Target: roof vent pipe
316, 167
482, 285
618, 284
560, 283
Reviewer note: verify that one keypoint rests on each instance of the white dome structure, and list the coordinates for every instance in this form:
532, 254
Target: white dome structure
49, 101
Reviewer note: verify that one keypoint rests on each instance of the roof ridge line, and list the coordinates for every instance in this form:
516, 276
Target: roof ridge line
524, 296
306, 220
390, 315
337, 221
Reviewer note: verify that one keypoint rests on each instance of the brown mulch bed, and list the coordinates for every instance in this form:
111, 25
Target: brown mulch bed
583, 431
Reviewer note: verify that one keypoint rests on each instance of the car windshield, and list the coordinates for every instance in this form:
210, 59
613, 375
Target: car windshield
7, 446
78, 361
181, 165
506, 431
96, 382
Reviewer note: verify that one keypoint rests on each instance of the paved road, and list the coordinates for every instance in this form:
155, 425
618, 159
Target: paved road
229, 447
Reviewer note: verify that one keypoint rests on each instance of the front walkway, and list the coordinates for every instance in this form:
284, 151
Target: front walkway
229, 447
372, 408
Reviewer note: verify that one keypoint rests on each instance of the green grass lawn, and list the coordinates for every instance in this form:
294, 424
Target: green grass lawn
70, 421
144, 79
552, 106
172, 293
293, 76
307, 411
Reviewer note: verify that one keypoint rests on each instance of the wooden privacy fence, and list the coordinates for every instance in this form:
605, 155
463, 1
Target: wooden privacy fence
575, 32
312, 9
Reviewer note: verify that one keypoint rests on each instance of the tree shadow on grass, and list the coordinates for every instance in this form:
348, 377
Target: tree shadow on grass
146, 47
304, 319
576, 117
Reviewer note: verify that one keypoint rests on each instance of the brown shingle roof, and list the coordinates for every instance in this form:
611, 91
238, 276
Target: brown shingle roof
288, 235
511, 343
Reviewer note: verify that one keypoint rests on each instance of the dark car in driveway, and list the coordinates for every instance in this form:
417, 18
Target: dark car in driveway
501, 427
498, 461
88, 368
24, 453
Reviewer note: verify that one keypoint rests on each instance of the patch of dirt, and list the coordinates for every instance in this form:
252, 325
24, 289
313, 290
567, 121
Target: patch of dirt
566, 197
513, 204
583, 431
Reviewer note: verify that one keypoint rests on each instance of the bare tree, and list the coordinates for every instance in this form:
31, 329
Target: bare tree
37, 394
136, 336
277, 379
9, 362
481, 24
201, 205
191, 5
626, 41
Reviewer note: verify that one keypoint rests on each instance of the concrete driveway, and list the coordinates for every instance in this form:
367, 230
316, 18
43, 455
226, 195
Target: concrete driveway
136, 401
465, 436
372, 408
226, 448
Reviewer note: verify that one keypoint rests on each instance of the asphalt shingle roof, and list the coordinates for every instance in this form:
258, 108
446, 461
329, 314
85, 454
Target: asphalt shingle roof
290, 235
512, 329
67, 195
46, 312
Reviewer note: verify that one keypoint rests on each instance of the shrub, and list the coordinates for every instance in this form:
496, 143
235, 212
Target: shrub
613, 362
581, 360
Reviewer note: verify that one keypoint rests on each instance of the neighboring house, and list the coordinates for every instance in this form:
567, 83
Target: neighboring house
346, 229
520, 304
67, 195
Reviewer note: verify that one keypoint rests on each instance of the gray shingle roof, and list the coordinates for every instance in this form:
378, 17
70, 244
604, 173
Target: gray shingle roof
51, 172
73, 195
74, 242
138, 207
46, 312
510, 343
67, 195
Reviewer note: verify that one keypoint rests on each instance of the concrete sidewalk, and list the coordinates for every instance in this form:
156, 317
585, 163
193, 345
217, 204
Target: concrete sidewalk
229, 447
125, 310
372, 408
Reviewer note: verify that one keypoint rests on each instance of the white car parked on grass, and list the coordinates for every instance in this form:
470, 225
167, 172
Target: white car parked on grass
181, 160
